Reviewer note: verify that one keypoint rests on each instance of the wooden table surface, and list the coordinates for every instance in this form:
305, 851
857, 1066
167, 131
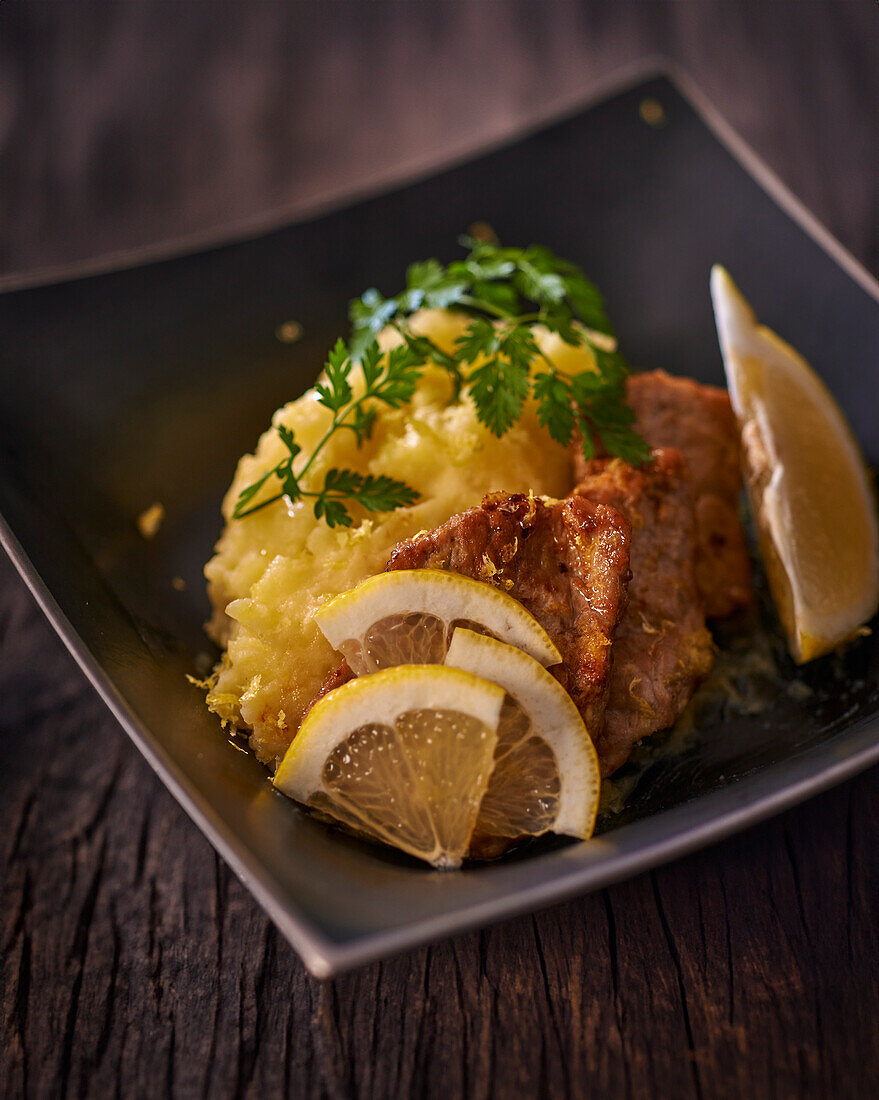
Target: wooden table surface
134, 963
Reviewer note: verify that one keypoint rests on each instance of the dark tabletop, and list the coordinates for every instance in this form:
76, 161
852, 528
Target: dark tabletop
133, 962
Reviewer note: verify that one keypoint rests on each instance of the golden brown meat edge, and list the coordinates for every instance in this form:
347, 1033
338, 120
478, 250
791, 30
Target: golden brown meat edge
699, 421
662, 648
566, 561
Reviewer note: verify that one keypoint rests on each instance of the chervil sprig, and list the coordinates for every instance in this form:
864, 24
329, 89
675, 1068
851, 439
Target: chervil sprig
389, 380
505, 293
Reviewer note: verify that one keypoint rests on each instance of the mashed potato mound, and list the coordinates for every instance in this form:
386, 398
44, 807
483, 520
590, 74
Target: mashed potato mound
272, 570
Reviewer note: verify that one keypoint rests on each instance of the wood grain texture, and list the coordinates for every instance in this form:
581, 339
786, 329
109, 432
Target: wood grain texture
132, 961
129, 124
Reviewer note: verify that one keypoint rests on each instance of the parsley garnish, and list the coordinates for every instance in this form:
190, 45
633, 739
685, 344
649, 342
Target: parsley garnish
388, 379
505, 292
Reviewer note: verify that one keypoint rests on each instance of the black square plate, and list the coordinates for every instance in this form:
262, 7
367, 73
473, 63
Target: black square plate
146, 384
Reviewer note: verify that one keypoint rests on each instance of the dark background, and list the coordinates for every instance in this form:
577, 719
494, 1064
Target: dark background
130, 124
132, 961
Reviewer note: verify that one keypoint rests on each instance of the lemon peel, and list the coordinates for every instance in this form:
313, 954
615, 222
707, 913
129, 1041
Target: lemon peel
809, 486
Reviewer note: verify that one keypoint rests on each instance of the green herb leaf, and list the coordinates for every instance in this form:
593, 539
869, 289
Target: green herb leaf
561, 322
544, 287
289, 481
587, 303
519, 347
440, 287
248, 493
505, 293
369, 314
501, 298
289, 440
587, 444
335, 392
371, 364
333, 511
397, 385
375, 494
603, 413
362, 423
499, 389
612, 367
555, 410
479, 338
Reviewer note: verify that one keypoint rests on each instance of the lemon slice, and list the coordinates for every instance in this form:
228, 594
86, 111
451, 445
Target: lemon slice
809, 487
408, 616
546, 776
404, 756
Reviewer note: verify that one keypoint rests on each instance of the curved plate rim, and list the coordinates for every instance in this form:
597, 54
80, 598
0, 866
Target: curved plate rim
675, 832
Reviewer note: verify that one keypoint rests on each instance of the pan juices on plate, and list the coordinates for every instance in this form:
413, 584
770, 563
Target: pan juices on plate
554, 531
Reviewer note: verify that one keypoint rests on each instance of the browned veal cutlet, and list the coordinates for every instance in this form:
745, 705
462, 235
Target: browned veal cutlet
662, 648
566, 561
698, 420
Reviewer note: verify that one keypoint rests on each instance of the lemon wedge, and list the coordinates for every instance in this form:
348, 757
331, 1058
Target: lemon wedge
546, 776
809, 487
408, 616
404, 755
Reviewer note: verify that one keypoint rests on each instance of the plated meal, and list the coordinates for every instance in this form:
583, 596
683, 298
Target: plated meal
478, 563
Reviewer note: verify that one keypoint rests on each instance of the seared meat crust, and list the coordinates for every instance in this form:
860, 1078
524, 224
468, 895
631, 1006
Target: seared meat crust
662, 648
341, 674
566, 561
698, 420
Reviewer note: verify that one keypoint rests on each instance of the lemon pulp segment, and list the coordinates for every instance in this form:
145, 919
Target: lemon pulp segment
409, 615
546, 774
403, 755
